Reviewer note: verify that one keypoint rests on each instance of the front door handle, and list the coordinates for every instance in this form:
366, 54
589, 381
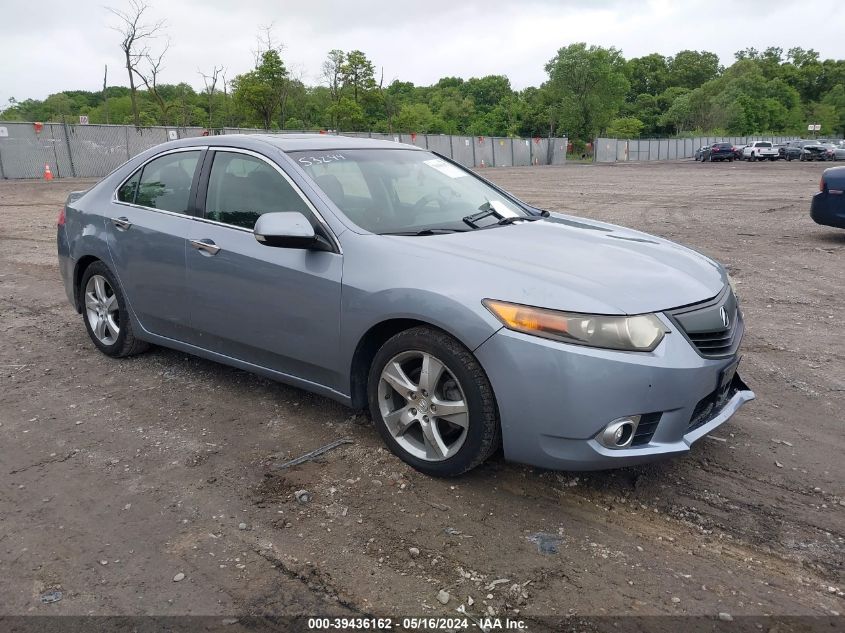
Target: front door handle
206, 246
122, 223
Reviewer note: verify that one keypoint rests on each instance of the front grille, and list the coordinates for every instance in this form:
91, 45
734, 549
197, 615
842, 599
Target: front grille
645, 429
716, 343
704, 325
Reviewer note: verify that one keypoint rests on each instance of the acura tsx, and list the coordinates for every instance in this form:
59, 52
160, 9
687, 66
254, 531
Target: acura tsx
392, 279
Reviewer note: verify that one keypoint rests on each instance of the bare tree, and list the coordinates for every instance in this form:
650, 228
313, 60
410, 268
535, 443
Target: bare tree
136, 34
210, 82
149, 77
226, 114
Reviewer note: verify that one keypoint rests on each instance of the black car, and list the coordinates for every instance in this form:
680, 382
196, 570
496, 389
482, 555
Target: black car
828, 206
718, 151
806, 150
781, 148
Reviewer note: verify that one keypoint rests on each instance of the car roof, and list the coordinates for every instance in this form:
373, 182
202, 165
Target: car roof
304, 142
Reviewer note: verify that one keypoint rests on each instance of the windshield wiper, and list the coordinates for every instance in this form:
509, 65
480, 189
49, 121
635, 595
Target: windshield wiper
487, 209
518, 218
425, 232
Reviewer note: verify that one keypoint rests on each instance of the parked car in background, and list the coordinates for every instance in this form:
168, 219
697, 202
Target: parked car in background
806, 150
781, 148
738, 151
835, 151
718, 152
760, 150
828, 207
389, 278
700, 152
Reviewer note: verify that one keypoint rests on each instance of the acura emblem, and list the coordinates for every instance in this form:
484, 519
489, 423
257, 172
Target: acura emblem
726, 320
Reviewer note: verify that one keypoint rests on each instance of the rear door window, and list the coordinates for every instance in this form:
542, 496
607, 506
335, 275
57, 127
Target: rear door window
166, 182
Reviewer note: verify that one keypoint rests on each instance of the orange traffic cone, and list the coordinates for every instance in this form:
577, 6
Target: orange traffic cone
48, 175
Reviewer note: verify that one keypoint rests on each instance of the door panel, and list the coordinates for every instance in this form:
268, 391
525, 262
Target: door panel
146, 229
274, 307
149, 259
278, 308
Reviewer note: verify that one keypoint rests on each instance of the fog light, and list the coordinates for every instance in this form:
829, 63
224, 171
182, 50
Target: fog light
620, 432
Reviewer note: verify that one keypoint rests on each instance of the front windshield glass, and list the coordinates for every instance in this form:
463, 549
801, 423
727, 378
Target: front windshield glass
404, 191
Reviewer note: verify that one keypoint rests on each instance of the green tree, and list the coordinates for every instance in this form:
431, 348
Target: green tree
836, 100
587, 86
346, 114
626, 127
647, 75
691, 69
358, 74
263, 90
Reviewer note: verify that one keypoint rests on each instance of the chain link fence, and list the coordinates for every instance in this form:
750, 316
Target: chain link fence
27, 150
612, 150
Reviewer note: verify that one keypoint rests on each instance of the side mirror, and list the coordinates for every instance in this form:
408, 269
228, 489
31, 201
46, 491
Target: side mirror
289, 230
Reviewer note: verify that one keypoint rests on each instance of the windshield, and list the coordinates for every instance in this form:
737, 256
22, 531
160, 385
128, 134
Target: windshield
399, 191
764, 144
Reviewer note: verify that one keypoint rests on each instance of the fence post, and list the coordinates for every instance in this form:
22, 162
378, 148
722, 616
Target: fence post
55, 152
2, 173
513, 156
492, 151
451, 147
126, 136
69, 151
473, 151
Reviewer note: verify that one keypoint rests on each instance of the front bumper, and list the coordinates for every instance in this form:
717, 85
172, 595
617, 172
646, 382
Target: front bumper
555, 398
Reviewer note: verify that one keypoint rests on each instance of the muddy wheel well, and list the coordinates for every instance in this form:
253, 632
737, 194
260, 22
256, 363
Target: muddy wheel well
366, 351
78, 272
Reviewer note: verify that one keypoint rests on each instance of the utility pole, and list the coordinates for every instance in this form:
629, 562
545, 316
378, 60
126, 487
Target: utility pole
105, 96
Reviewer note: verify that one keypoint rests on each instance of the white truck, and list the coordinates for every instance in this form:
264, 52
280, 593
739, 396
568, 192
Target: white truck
760, 150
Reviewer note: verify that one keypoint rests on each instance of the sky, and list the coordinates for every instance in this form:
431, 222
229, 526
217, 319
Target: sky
52, 45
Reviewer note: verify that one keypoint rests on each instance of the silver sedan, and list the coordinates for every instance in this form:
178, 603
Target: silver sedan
394, 280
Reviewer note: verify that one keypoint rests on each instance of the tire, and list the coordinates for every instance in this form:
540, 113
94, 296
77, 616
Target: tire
470, 435
753, 158
103, 303
801, 157
789, 159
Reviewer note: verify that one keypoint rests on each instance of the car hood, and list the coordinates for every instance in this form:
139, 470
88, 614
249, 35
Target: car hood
567, 263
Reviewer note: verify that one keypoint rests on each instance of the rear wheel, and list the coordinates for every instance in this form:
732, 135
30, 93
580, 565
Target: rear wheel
105, 315
432, 403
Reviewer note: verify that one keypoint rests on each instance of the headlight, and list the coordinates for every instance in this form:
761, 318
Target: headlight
641, 333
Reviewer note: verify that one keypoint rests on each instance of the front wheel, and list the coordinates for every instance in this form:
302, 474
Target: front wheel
432, 403
105, 314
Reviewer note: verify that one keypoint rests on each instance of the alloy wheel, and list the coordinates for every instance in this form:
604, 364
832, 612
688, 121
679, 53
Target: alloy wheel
423, 406
102, 310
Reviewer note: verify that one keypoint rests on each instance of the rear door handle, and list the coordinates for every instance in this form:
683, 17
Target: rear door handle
205, 246
122, 223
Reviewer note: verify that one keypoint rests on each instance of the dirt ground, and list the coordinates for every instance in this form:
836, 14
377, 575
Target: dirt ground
117, 475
